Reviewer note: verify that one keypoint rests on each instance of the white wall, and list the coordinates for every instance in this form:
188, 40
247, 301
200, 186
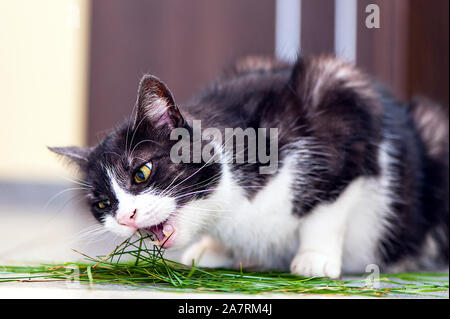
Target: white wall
43, 80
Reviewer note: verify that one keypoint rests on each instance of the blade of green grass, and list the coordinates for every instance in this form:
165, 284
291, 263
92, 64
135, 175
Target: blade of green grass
150, 269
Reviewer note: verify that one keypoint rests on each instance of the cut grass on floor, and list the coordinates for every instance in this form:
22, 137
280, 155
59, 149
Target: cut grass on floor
150, 269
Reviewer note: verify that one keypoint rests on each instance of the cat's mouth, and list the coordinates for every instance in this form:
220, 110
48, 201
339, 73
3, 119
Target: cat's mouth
162, 233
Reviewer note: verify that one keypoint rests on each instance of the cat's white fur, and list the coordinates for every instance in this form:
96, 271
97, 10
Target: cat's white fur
341, 235
263, 232
150, 209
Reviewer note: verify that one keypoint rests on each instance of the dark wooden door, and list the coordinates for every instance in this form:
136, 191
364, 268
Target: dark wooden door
185, 43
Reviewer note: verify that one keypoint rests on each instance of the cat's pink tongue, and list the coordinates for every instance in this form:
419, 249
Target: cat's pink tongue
164, 234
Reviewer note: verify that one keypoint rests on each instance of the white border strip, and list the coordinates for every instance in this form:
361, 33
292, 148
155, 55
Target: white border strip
345, 29
287, 29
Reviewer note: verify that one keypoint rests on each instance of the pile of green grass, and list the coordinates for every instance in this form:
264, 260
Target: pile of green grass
149, 269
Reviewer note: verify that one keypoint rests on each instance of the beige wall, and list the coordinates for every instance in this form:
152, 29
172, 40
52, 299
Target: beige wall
43, 81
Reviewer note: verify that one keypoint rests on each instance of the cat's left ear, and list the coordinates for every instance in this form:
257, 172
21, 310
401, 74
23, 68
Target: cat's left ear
156, 106
75, 154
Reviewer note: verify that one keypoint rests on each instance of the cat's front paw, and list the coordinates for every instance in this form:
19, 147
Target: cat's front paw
207, 253
315, 264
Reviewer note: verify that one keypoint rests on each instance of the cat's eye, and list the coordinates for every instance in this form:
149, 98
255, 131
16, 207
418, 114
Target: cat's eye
103, 204
143, 173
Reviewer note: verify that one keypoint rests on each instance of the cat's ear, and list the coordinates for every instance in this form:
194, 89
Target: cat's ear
156, 106
75, 154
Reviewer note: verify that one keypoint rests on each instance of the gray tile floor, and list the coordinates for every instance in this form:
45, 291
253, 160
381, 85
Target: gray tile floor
38, 232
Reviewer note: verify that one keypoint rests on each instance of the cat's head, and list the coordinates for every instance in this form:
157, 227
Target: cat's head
132, 182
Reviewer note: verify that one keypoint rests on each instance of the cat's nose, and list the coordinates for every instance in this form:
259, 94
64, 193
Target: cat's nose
128, 219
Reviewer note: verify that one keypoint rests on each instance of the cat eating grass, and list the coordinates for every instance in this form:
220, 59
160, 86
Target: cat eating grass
360, 178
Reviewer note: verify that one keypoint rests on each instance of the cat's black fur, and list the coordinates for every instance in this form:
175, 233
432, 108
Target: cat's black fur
340, 113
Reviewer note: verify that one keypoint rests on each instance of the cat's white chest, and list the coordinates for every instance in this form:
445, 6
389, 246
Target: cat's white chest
261, 229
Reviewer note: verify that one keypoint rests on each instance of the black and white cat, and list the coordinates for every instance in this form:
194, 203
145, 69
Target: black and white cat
361, 179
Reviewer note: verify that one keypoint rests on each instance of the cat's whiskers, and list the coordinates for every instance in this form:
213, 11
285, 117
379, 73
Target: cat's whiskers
167, 190
213, 189
204, 165
185, 219
207, 182
134, 134
78, 182
63, 192
114, 153
212, 157
140, 142
130, 123
213, 210
89, 232
230, 159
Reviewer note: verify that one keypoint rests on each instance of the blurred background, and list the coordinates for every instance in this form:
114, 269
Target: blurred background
69, 71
